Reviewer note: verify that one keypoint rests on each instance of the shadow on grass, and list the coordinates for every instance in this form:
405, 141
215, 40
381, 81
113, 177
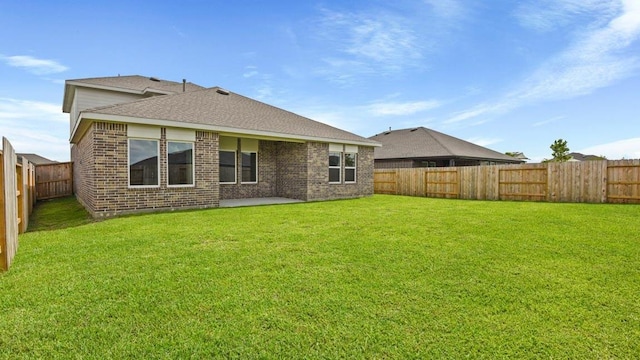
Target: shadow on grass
57, 214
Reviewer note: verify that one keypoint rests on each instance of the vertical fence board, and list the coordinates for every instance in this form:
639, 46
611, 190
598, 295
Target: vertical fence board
10, 209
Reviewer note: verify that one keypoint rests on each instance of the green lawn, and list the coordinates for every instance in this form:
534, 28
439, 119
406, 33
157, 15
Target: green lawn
379, 277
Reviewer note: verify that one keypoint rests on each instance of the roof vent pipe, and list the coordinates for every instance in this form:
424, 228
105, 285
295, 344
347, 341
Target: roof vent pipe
222, 91
184, 85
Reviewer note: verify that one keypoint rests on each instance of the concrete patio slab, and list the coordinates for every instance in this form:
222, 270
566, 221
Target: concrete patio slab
257, 201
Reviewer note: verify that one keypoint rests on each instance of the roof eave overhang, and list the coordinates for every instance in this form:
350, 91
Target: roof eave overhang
513, 161
86, 118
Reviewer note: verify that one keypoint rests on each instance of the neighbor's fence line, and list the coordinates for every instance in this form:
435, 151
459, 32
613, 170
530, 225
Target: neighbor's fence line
587, 182
54, 180
17, 196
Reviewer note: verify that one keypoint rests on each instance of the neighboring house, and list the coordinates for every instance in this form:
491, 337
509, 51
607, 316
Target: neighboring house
143, 144
36, 159
518, 155
422, 147
576, 156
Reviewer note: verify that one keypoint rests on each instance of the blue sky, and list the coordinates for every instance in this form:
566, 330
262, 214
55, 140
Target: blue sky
509, 75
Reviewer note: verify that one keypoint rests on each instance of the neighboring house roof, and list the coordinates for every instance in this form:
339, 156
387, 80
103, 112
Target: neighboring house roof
576, 156
426, 143
222, 111
134, 84
36, 159
518, 155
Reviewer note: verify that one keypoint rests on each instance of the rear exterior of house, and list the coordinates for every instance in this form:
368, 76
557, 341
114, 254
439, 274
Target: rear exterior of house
150, 145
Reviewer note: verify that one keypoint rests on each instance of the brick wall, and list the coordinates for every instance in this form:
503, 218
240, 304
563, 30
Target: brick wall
291, 170
107, 192
83, 165
266, 186
318, 175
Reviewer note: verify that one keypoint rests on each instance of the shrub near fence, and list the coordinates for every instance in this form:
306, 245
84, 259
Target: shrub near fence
588, 182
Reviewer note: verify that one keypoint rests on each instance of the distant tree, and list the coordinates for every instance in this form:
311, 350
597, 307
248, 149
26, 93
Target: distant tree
512, 154
560, 151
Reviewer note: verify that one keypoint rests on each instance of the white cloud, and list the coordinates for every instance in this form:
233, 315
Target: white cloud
481, 141
14, 109
382, 40
446, 8
35, 127
548, 121
34, 65
627, 149
406, 108
547, 15
598, 58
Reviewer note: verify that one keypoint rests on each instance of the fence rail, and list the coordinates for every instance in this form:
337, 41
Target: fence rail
588, 181
17, 196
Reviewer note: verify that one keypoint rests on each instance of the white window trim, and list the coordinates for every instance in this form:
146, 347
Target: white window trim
339, 167
235, 173
355, 169
193, 164
257, 167
129, 165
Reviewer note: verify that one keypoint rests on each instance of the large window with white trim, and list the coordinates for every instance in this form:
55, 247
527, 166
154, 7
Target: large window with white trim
144, 163
180, 163
335, 164
350, 162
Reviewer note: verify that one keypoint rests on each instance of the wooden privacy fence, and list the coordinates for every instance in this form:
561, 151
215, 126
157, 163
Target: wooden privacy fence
54, 180
588, 181
17, 198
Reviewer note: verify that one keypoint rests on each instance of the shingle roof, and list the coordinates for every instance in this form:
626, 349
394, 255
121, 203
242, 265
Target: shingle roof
212, 109
131, 83
422, 143
138, 83
36, 159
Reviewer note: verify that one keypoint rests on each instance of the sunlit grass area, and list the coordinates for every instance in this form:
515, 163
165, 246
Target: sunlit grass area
378, 277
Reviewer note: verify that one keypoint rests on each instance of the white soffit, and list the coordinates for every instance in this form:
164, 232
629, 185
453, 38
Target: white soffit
181, 134
141, 131
351, 148
249, 145
228, 143
335, 147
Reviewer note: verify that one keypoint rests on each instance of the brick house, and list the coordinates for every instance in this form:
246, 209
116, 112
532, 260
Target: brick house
144, 144
422, 147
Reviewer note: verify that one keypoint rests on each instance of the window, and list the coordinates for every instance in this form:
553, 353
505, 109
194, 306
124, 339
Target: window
350, 160
143, 162
249, 167
249, 160
180, 163
227, 167
335, 167
228, 159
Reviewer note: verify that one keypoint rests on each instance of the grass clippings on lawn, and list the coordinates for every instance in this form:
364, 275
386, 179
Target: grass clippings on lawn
379, 277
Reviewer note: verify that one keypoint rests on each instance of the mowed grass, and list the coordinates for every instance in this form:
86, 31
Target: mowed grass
379, 277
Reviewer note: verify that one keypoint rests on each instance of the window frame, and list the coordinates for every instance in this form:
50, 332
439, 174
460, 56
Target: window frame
144, 186
354, 168
339, 167
235, 167
193, 164
242, 153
